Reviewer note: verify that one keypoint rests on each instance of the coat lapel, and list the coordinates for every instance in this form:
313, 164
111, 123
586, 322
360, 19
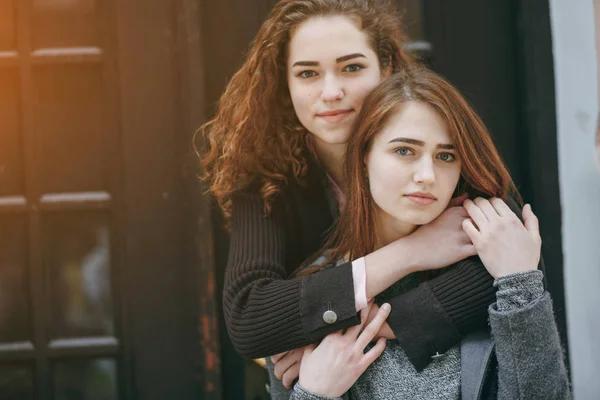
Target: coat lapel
475, 354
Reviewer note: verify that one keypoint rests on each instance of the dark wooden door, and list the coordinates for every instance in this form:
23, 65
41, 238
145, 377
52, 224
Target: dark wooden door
105, 266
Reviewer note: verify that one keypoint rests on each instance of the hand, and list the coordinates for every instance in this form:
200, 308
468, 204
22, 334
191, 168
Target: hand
332, 367
441, 242
458, 201
287, 366
385, 331
504, 244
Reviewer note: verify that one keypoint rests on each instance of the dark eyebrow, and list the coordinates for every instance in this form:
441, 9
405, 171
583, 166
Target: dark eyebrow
337, 60
349, 57
421, 143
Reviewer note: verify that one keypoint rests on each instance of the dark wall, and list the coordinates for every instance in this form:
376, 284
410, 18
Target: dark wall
499, 54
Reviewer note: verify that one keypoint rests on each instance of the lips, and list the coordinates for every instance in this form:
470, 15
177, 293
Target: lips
421, 198
334, 115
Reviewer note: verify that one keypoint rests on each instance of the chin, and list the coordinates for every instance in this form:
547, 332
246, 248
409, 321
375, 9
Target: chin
422, 219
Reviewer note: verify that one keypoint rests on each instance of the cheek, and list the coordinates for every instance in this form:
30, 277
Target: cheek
301, 100
366, 87
450, 179
386, 180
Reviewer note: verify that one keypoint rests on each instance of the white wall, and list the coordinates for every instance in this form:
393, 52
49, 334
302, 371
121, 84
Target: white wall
576, 79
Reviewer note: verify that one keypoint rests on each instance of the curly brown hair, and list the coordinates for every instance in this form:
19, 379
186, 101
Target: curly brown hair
255, 136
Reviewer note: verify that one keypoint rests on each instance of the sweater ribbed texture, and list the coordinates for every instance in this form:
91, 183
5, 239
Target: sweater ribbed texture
464, 293
259, 302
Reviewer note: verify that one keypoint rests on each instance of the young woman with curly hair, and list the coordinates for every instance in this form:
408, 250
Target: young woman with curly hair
273, 162
417, 141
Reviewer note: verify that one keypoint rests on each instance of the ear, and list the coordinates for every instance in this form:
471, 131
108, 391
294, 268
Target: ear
386, 71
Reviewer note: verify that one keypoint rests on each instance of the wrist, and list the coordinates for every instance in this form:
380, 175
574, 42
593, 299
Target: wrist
387, 265
314, 391
411, 260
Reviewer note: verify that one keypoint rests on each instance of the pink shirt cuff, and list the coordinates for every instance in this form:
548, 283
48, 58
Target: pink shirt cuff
359, 275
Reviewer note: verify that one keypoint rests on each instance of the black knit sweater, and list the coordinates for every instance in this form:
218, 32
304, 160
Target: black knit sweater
268, 312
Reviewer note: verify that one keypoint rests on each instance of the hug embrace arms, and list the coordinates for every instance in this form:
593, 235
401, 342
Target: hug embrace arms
271, 164
416, 131
274, 164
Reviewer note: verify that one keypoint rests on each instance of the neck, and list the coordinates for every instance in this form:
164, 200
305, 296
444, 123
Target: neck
331, 157
390, 229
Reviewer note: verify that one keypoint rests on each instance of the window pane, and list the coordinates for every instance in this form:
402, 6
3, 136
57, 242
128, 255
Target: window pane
85, 380
11, 150
65, 23
14, 290
7, 26
16, 382
76, 246
69, 123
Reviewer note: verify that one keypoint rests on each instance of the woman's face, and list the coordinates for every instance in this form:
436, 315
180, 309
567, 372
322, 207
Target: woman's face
331, 68
413, 169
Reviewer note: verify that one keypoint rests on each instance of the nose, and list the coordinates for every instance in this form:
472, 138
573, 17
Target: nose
332, 89
424, 172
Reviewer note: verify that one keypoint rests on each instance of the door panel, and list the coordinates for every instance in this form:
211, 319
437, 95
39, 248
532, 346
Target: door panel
98, 253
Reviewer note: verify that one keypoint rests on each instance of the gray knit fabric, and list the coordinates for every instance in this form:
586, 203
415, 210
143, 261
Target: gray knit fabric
300, 393
517, 290
392, 375
526, 371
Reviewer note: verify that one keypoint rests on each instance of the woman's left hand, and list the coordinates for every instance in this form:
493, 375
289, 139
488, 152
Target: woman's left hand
504, 244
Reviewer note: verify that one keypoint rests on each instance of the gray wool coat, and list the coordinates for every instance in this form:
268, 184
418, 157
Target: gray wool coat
521, 359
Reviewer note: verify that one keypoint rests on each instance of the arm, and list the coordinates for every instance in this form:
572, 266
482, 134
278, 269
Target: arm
433, 317
530, 358
330, 369
258, 290
265, 311
436, 315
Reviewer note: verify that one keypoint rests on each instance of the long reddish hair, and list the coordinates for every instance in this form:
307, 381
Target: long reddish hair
255, 136
483, 172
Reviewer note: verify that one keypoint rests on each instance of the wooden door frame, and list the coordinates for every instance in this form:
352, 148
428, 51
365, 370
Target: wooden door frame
168, 285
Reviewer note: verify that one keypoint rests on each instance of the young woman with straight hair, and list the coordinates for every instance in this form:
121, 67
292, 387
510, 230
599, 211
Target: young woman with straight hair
274, 160
417, 142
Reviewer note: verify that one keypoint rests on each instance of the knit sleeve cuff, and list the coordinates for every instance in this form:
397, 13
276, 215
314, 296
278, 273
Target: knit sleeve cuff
300, 393
518, 290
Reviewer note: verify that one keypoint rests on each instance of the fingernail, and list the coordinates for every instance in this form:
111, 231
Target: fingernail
386, 307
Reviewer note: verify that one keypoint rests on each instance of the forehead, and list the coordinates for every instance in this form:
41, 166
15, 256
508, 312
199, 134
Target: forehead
416, 120
327, 38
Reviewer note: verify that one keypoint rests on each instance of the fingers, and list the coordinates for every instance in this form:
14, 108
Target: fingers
458, 201
291, 375
470, 230
486, 207
287, 362
470, 250
475, 213
502, 208
374, 352
531, 222
275, 359
355, 330
369, 333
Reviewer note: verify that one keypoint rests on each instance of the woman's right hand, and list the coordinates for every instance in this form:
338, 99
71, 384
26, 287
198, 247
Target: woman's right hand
441, 242
332, 367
